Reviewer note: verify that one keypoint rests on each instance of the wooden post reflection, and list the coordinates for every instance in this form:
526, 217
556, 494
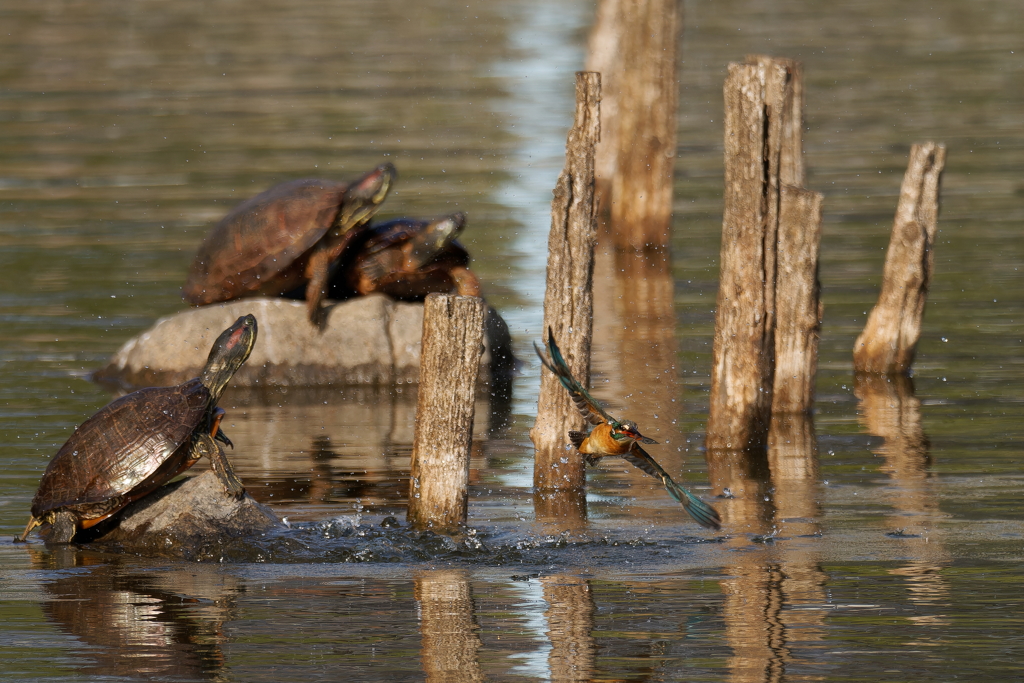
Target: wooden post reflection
889, 409
635, 348
448, 628
765, 613
570, 617
793, 463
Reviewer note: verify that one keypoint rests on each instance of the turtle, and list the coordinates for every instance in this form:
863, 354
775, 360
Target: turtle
139, 442
283, 238
408, 259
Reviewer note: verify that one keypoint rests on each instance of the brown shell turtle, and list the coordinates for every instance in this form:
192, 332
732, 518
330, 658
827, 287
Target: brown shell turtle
283, 238
409, 258
139, 442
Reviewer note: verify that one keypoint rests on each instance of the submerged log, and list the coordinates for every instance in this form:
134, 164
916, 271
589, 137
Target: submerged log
889, 340
569, 296
178, 517
452, 334
368, 340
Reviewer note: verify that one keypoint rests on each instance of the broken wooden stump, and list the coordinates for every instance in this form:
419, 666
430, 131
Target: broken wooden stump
453, 329
743, 364
798, 307
569, 298
889, 340
769, 310
178, 517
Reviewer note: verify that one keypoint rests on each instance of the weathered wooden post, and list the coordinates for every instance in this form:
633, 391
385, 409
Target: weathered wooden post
603, 57
647, 98
889, 339
798, 306
568, 299
744, 344
453, 328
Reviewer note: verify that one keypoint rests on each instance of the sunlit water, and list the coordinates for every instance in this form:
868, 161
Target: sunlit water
892, 553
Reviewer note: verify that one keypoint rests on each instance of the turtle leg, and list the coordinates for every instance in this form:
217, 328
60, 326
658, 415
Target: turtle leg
466, 281
318, 271
32, 524
205, 445
216, 432
63, 527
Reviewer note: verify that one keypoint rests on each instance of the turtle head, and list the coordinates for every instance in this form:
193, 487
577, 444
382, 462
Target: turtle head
364, 196
231, 349
435, 237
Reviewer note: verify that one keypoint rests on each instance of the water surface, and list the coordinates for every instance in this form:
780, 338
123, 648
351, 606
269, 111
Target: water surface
886, 545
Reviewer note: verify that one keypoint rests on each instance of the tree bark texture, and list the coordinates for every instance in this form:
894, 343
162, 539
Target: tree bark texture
647, 95
450, 639
798, 308
450, 360
744, 344
569, 298
791, 163
889, 340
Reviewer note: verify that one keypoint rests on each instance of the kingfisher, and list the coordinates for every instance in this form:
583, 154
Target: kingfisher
610, 437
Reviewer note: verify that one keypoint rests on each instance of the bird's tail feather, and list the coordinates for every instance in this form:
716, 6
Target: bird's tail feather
702, 513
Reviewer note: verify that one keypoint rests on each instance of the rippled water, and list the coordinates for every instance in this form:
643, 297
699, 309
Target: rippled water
889, 549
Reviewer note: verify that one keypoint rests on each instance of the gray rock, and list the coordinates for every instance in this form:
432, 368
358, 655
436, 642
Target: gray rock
367, 340
179, 517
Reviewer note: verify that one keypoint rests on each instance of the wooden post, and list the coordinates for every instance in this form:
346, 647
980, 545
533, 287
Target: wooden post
569, 298
453, 329
744, 344
791, 162
889, 339
647, 97
603, 57
798, 306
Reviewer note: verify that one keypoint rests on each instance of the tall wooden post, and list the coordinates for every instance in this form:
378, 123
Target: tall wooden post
453, 330
647, 96
569, 299
889, 340
744, 343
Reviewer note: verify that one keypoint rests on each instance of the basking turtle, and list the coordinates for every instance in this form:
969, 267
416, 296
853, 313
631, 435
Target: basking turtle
408, 259
283, 238
139, 442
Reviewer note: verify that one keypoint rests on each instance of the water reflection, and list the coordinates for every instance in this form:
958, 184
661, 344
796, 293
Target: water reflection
448, 627
167, 625
300, 450
570, 617
888, 408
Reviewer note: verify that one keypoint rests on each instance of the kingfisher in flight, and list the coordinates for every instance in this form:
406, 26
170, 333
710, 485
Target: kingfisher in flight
610, 437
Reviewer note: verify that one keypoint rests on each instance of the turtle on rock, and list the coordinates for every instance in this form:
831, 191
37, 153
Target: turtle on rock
139, 442
407, 259
284, 238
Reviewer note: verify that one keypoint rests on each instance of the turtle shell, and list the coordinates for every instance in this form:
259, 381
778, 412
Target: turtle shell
262, 245
127, 449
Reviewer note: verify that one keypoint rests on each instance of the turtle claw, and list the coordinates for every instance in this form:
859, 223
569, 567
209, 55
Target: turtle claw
223, 438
